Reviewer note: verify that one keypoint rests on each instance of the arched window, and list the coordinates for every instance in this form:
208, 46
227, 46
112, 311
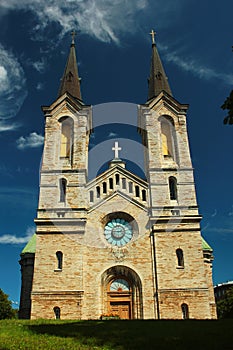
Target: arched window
137, 192
180, 257
111, 183
173, 187
57, 312
63, 184
167, 142
185, 311
59, 256
144, 195
97, 192
66, 138
104, 187
91, 196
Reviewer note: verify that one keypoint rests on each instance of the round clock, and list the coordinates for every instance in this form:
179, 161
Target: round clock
118, 232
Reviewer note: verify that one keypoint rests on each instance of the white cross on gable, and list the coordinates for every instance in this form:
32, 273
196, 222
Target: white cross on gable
116, 149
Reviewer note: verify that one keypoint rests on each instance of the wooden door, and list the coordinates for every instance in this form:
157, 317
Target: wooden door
122, 309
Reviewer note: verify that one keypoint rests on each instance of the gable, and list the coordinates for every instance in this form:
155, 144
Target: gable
117, 181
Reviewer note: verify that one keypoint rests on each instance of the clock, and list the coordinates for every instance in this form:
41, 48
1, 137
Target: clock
118, 232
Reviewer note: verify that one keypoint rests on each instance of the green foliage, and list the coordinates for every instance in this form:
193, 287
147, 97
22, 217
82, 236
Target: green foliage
6, 310
225, 306
228, 105
115, 335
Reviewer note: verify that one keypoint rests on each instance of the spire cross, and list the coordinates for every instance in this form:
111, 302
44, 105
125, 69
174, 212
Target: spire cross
73, 34
153, 33
116, 149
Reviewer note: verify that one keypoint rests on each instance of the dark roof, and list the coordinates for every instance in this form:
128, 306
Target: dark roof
70, 81
158, 80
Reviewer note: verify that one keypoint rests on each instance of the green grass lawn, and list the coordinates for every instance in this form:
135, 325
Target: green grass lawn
116, 335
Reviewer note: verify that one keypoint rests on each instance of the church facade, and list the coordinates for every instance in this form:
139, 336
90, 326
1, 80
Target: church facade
117, 244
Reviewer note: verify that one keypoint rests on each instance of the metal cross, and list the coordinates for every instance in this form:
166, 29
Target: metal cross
73, 34
153, 33
116, 149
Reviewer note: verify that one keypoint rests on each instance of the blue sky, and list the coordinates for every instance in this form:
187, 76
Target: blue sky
114, 50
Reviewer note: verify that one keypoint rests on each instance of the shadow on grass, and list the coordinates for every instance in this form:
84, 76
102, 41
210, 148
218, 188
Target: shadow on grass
142, 334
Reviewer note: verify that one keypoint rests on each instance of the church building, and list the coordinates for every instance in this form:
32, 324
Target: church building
117, 244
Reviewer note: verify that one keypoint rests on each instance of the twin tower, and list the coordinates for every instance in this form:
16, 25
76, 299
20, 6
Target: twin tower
117, 244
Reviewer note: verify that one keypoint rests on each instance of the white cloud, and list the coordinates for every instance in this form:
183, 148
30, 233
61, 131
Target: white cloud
40, 65
12, 87
102, 19
196, 68
112, 134
32, 141
12, 239
39, 86
6, 126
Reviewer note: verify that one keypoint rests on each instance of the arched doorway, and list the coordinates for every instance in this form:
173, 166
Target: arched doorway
122, 293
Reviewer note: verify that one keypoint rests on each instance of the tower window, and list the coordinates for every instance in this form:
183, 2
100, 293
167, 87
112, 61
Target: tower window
173, 187
130, 187
185, 311
63, 185
91, 196
180, 257
104, 187
97, 192
166, 139
57, 312
111, 183
59, 256
124, 183
144, 195
137, 193
117, 179
66, 138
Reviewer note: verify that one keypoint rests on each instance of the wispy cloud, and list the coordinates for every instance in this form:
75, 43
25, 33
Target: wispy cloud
40, 66
12, 239
6, 126
112, 134
190, 65
12, 87
32, 141
98, 18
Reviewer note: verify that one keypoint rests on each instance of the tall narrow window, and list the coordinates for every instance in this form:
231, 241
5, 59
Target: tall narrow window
173, 187
66, 138
137, 193
111, 183
104, 187
124, 183
130, 187
97, 192
63, 184
144, 195
167, 148
57, 312
59, 256
180, 257
185, 311
91, 196
117, 179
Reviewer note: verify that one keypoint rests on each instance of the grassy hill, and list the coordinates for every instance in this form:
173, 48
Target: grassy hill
115, 335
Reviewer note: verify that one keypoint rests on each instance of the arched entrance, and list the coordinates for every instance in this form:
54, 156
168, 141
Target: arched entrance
122, 293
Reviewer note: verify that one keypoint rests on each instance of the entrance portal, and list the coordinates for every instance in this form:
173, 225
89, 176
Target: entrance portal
120, 298
122, 293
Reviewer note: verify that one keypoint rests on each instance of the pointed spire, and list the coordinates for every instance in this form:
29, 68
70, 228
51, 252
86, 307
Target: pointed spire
157, 81
70, 81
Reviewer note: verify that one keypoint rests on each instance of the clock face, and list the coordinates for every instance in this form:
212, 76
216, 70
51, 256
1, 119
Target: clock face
118, 232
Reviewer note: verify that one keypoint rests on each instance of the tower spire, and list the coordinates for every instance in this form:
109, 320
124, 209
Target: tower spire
70, 81
157, 81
